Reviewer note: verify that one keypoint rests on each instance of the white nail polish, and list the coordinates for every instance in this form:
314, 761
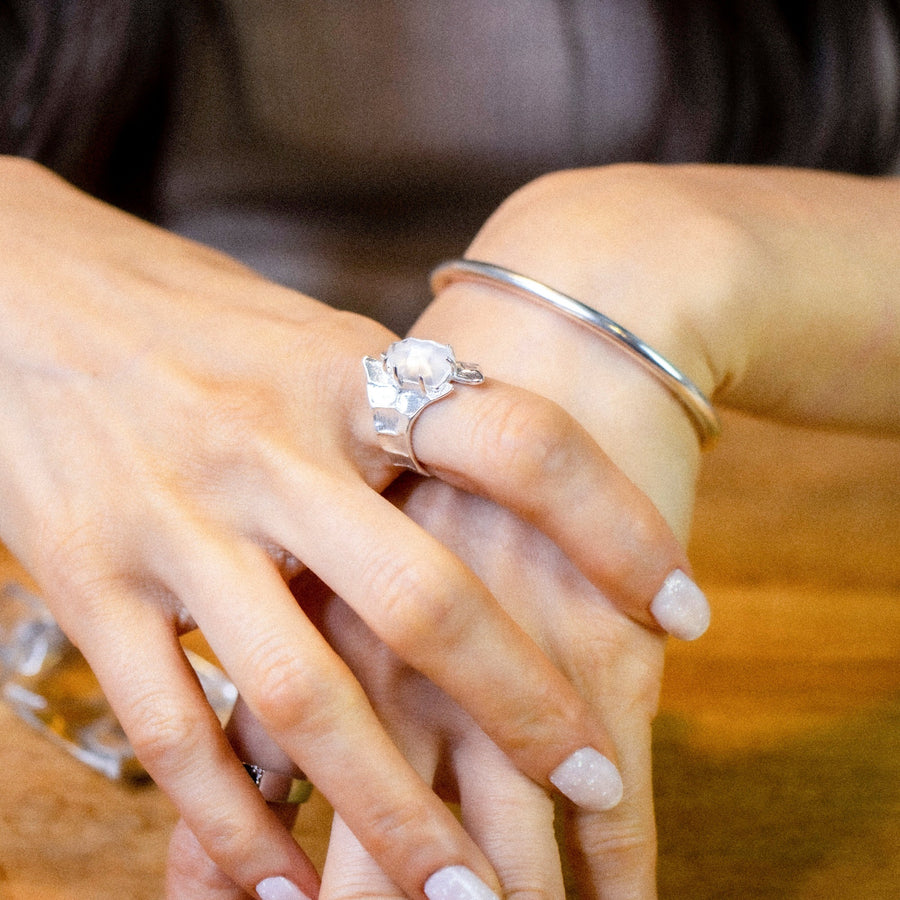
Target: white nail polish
680, 607
589, 780
457, 883
279, 888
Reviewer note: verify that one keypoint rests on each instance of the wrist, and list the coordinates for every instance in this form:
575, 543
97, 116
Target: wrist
617, 241
636, 421
694, 402
651, 247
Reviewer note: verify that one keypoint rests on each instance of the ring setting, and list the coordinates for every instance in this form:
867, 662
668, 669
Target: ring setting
409, 376
276, 787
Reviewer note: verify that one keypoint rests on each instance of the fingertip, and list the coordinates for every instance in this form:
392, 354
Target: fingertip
589, 779
681, 608
279, 888
457, 883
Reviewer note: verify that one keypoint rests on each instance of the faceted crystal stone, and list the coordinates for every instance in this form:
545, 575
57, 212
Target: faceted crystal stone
417, 361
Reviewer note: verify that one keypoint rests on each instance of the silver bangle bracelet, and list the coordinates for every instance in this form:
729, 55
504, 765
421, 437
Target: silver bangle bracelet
697, 405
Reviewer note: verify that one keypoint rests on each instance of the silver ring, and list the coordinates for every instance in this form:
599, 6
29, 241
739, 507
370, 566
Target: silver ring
276, 787
410, 375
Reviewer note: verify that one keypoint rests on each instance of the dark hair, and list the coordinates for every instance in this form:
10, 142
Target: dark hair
83, 86
809, 83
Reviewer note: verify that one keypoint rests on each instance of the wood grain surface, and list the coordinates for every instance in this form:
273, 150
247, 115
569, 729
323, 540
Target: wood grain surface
778, 741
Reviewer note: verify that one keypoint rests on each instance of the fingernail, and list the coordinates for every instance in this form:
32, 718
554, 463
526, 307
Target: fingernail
279, 888
680, 607
589, 780
457, 883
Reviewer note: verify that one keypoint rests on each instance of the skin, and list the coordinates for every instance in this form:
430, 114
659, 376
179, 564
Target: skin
168, 462
775, 290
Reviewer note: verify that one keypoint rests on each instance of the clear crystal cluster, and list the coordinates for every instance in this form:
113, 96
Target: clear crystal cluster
417, 362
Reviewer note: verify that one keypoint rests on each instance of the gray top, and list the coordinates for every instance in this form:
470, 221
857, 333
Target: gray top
299, 125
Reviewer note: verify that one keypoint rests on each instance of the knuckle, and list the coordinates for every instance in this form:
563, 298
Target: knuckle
540, 720
620, 855
647, 529
164, 734
528, 437
418, 602
618, 565
619, 843
358, 886
529, 889
71, 561
642, 545
226, 839
398, 828
284, 691
410, 837
394, 578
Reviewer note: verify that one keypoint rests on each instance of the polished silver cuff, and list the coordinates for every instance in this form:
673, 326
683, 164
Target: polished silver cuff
409, 376
697, 405
276, 787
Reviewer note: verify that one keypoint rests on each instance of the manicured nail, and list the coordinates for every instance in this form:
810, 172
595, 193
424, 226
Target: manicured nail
279, 888
457, 883
589, 780
680, 607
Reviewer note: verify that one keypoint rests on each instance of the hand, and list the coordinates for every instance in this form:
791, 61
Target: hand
617, 667
702, 262
181, 436
614, 662
775, 289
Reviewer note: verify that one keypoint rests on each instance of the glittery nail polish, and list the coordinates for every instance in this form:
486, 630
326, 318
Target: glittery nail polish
457, 883
589, 780
680, 607
279, 888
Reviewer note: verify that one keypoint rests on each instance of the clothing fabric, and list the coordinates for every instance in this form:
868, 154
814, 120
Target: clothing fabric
301, 124
344, 148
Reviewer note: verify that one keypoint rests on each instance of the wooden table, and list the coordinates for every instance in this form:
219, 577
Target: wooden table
778, 743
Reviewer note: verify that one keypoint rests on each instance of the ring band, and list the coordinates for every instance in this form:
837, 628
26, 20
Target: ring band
409, 376
697, 405
276, 787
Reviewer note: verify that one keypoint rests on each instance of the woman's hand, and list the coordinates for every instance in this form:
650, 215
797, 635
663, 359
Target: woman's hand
615, 663
775, 289
740, 277
180, 436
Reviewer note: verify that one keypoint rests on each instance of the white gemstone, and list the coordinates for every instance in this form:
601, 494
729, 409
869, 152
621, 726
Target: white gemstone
417, 361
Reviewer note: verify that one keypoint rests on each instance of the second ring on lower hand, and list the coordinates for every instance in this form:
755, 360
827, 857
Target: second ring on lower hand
277, 787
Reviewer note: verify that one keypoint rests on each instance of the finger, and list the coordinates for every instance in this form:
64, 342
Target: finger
192, 875
308, 701
613, 854
428, 607
527, 454
179, 740
350, 873
511, 819
408, 708
419, 718
253, 745
190, 871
